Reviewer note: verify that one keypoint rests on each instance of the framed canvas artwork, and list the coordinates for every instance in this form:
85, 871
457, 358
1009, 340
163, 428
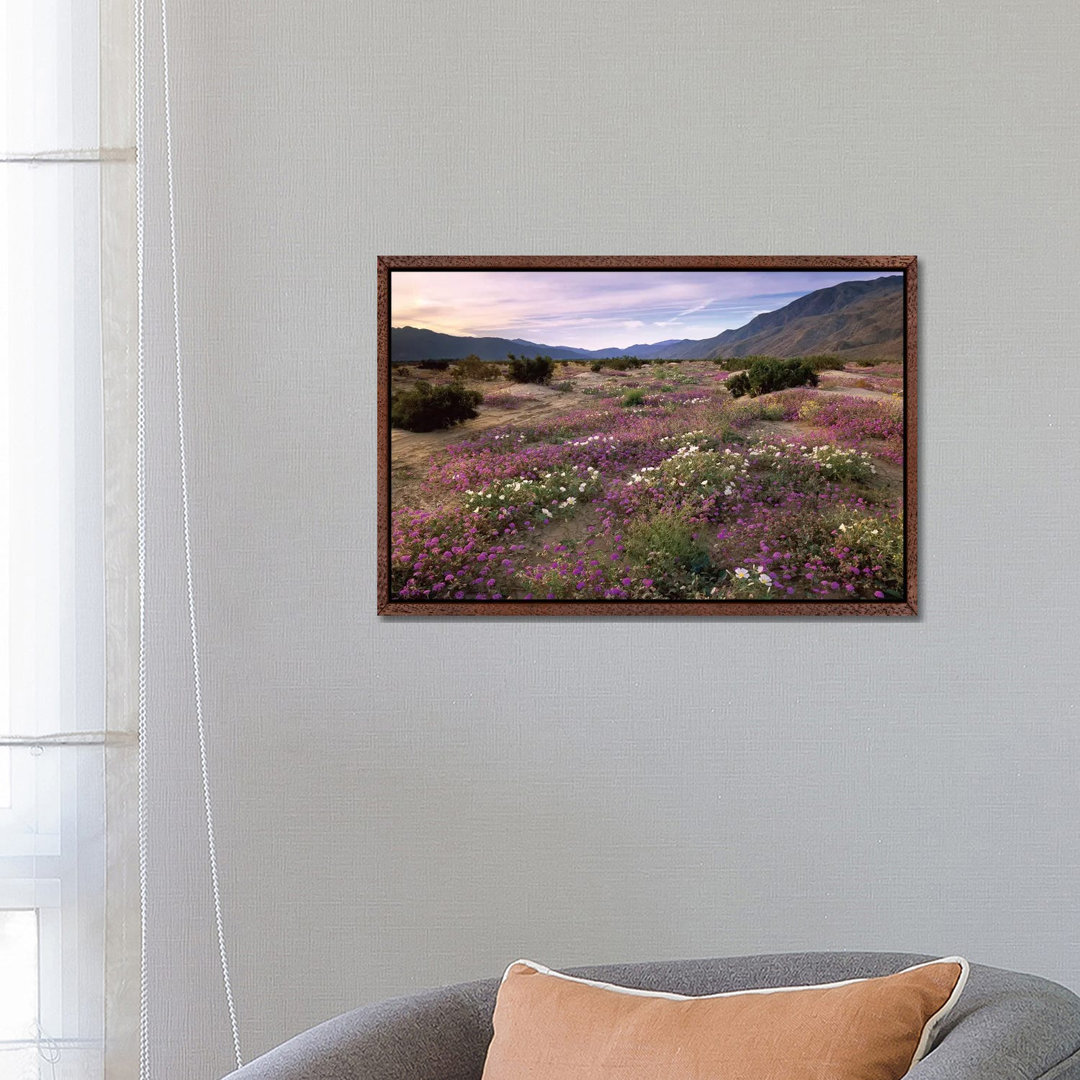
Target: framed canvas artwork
647, 435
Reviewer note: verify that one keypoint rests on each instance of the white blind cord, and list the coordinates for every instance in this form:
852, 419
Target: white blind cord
140, 199
140, 454
197, 680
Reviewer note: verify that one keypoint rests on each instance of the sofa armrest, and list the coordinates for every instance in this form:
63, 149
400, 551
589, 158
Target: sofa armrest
1007, 1026
441, 1034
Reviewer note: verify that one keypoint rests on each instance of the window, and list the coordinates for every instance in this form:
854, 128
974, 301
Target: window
52, 577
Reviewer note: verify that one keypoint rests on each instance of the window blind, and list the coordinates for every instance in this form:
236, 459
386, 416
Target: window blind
62, 243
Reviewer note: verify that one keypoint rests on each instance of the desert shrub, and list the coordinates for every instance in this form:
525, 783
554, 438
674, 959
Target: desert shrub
427, 408
738, 384
633, 397
770, 373
825, 362
434, 365
531, 369
739, 363
564, 387
596, 366
621, 363
472, 367
664, 544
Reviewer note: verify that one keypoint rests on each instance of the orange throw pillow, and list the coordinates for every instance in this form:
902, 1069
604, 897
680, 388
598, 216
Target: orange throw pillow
550, 1026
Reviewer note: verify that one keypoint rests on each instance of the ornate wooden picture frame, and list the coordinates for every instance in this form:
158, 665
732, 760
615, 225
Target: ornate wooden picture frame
756, 456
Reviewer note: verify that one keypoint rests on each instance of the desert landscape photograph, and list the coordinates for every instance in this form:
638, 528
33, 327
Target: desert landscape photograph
683, 439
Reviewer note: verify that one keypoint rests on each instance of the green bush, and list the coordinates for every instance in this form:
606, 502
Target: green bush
769, 373
665, 543
622, 363
825, 363
472, 367
531, 369
434, 365
739, 363
738, 384
633, 397
427, 408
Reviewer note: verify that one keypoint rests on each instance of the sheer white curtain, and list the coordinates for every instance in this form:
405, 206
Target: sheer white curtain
57, 205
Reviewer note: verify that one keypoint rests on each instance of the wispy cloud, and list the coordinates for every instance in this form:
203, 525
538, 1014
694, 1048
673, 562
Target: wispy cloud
682, 314
596, 309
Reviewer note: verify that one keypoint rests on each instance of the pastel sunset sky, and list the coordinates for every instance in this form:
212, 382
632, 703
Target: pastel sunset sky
597, 309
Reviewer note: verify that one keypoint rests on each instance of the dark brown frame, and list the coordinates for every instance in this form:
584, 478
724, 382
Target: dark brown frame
905, 263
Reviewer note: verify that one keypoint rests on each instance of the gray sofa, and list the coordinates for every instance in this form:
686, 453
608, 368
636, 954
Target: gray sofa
1005, 1026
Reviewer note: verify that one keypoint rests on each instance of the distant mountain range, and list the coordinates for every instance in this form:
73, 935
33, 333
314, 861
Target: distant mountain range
855, 319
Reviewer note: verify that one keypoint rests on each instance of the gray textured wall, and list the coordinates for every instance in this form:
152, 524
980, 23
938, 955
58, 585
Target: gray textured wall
408, 803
